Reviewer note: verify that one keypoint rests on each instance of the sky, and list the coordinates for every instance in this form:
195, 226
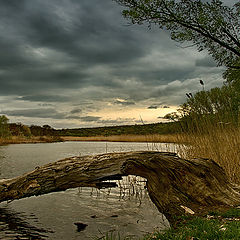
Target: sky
72, 64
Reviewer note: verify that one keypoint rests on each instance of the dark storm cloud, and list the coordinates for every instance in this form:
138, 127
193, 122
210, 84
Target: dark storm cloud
71, 52
35, 113
49, 45
154, 76
49, 113
54, 45
44, 98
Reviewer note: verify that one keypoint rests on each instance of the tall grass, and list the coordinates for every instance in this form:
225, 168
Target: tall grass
211, 123
222, 144
32, 139
150, 138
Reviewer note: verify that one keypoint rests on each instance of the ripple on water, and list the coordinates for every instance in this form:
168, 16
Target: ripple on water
126, 209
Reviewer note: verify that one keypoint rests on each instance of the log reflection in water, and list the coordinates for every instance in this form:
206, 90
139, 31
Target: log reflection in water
14, 225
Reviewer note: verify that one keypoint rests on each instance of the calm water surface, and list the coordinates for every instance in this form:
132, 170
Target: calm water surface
127, 210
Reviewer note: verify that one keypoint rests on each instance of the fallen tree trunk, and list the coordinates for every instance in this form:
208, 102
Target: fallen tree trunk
175, 185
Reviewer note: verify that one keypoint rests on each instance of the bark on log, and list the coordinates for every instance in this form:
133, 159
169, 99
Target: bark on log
175, 185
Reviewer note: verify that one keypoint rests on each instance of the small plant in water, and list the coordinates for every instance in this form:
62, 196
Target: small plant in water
114, 236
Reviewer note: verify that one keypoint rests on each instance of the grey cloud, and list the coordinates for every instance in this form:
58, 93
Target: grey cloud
80, 35
124, 103
149, 75
153, 107
44, 98
70, 52
205, 62
45, 104
156, 106
76, 111
35, 113
73, 117
119, 121
48, 113
89, 118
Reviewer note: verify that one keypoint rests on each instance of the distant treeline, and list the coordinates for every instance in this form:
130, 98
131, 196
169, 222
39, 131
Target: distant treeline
144, 129
19, 129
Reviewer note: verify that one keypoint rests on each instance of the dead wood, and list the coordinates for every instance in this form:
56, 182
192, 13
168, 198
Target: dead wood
175, 185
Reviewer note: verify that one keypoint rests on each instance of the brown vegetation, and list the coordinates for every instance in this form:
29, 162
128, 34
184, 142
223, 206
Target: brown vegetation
32, 139
221, 145
150, 138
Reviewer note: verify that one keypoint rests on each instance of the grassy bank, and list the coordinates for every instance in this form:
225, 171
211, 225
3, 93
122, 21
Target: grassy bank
215, 225
34, 139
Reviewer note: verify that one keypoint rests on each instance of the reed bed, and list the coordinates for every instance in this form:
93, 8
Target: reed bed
220, 144
32, 139
150, 138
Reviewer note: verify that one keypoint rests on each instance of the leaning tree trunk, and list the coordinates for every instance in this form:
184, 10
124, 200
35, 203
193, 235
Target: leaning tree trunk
175, 185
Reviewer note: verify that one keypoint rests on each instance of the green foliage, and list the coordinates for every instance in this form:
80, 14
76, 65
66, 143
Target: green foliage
218, 106
200, 228
173, 116
45, 130
18, 129
207, 25
26, 131
4, 130
233, 74
231, 213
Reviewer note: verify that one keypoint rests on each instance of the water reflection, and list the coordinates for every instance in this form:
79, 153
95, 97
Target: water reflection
13, 225
31, 218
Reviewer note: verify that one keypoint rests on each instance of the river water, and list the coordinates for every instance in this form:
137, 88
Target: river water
125, 210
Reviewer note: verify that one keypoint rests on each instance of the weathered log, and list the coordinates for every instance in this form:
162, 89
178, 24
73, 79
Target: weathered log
175, 185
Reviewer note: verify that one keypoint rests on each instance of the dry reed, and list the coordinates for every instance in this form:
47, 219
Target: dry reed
32, 139
151, 138
221, 145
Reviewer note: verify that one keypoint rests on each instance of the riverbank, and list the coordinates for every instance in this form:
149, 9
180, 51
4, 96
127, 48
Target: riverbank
35, 139
153, 138
215, 225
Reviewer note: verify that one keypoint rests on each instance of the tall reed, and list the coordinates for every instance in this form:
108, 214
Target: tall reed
222, 144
